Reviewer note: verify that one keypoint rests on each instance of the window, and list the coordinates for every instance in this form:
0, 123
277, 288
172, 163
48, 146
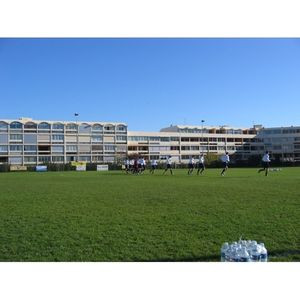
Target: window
122, 138
4, 138
84, 158
30, 125
84, 148
3, 148
58, 149
185, 148
121, 128
3, 126
16, 160
44, 158
57, 158
16, 137
138, 138
174, 139
121, 149
97, 148
44, 126
30, 138
164, 139
194, 139
57, 137
16, 125
71, 148
109, 128
42, 148
30, 159
109, 148
97, 139
174, 148
84, 128
30, 148
15, 148
154, 139
108, 159
58, 126
97, 158
71, 126
195, 148
84, 139
97, 127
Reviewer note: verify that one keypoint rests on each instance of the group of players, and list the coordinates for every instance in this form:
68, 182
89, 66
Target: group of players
138, 165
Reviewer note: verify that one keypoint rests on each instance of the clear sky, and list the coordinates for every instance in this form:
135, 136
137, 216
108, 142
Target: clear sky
152, 83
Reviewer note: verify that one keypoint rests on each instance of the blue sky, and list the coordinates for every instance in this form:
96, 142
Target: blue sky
152, 83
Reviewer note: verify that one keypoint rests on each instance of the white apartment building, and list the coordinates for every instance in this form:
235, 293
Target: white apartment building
183, 142
27, 141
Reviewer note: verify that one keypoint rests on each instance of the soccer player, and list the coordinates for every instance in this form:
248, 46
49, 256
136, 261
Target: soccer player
143, 163
131, 167
225, 159
153, 165
136, 166
266, 163
201, 166
127, 165
140, 161
169, 165
191, 165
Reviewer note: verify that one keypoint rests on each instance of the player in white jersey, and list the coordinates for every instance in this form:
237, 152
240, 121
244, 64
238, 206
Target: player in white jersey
266, 163
140, 162
201, 165
153, 165
131, 165
143, 162
127, 165
225, 160
191, 165
169, 165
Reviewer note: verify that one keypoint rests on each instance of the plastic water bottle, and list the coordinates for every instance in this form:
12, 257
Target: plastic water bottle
244, 255
263, 253
255, 252
224, 250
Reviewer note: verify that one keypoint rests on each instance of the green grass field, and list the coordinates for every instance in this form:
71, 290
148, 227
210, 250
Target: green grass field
96, 216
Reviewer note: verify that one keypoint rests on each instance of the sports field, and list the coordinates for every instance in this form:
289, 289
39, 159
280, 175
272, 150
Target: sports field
98, 216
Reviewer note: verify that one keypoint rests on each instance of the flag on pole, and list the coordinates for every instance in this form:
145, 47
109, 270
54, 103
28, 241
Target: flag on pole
76, 114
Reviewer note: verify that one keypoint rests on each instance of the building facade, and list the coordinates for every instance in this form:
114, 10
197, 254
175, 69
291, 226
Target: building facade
282, 142
30, 142
26, 141
183, 142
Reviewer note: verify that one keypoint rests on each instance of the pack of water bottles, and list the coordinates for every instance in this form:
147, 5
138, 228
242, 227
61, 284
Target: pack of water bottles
244, 251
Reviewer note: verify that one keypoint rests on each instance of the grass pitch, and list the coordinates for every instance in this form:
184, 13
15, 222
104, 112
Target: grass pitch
96, 216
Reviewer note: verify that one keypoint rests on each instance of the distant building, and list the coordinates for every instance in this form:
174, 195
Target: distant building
26, 141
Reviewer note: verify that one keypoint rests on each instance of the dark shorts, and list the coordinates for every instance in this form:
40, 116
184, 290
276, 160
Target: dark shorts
225, 164
201, 166
169, 166
139, 166
191, 166
153, 167
266, 164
